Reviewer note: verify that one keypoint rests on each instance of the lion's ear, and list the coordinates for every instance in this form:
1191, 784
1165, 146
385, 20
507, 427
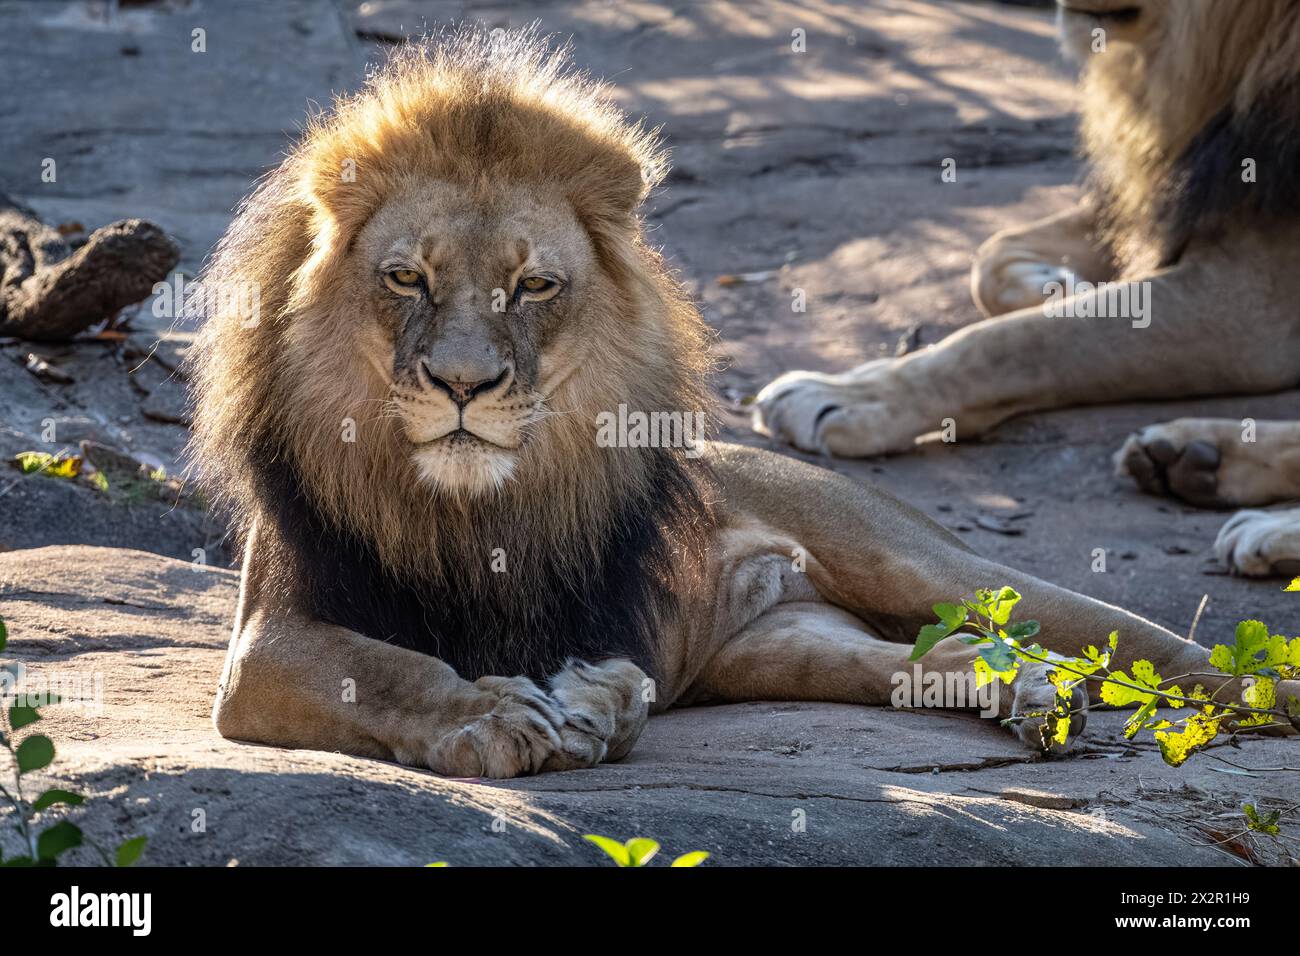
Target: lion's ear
341, 179
618, 182
340, 194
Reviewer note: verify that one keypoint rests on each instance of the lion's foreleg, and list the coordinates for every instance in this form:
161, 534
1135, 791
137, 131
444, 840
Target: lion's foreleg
292, 681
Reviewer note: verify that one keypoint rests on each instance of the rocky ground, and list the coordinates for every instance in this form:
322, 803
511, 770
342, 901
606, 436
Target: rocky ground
763, 783
816, 170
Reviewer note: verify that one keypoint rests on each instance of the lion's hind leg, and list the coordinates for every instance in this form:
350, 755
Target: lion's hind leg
809, 650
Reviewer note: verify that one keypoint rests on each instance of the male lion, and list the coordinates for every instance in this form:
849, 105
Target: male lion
442, 564
1191, 128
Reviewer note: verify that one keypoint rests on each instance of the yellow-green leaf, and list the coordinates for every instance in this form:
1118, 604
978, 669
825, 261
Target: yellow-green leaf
1198, 730
1221, 658
1262, 695
641, 850
1062, 730
1120, 696
617, 851
1001, 604
986, 675
694, 858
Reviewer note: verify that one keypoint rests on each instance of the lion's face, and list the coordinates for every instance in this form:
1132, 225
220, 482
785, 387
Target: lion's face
468, 308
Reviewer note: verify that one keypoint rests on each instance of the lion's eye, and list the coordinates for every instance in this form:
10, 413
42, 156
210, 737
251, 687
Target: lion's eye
537, 284
405, 276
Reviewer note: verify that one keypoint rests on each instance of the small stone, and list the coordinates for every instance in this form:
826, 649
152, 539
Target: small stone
997, 525
50, 374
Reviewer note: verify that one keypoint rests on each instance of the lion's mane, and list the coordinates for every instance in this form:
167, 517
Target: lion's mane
595, 542
1167, 125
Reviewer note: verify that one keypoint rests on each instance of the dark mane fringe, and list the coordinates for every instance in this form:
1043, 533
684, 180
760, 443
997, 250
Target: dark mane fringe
555, 601
1205, 191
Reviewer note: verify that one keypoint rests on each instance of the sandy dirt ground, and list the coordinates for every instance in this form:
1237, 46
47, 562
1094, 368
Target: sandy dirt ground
817, 170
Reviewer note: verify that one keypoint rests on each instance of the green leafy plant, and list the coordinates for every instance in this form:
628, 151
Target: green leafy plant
1265, 822
35, 752
640, 850
1255, 655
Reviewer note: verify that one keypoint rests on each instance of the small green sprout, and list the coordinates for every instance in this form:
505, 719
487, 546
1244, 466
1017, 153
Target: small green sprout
36, 752
640, 850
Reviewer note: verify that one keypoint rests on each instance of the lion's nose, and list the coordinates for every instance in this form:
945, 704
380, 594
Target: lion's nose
462, 392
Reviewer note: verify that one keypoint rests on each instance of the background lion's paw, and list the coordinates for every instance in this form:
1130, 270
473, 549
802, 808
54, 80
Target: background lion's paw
515, 737
1032, 694
1021, 284
1164, 461
604, 710
1261, 544
868, 411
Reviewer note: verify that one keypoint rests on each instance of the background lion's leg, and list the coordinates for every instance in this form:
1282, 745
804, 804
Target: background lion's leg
1013, 267
1185, 331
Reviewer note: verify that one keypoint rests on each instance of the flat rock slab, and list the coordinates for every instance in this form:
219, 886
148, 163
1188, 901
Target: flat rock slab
762, 783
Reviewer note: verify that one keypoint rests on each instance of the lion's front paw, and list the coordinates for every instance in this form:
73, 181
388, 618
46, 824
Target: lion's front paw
515, 737
1034, 695
605, 709
1261, 544
868, 411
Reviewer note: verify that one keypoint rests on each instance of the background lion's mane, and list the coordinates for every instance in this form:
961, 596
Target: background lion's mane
596, 541
1166, 129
